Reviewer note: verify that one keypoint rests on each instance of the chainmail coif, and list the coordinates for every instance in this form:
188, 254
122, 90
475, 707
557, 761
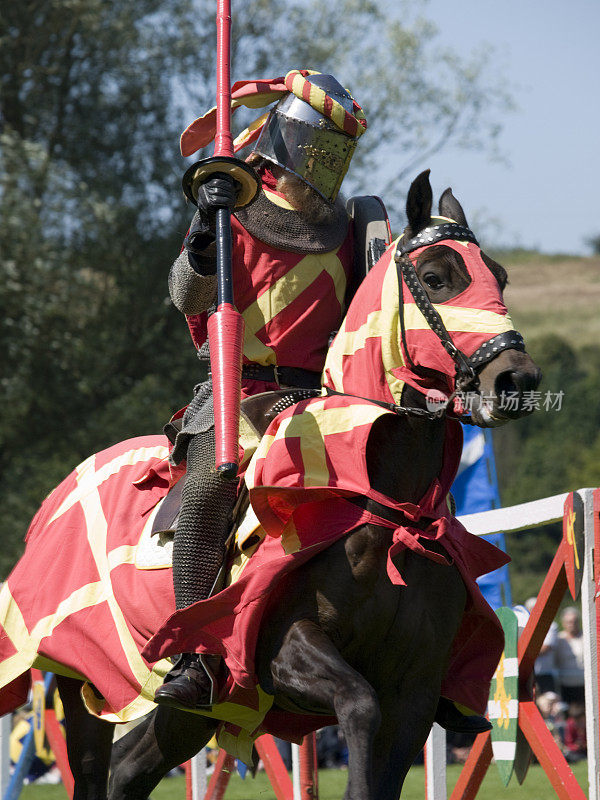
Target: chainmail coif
291, 230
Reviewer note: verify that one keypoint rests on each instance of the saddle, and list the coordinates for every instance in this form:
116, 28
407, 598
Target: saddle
257, 413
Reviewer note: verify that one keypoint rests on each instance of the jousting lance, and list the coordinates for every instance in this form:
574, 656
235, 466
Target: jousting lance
226, 325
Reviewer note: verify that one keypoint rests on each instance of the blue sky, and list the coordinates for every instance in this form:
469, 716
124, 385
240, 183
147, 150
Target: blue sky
548, 50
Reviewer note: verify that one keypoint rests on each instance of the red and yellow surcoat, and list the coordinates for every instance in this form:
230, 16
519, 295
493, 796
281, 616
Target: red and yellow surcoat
290, 302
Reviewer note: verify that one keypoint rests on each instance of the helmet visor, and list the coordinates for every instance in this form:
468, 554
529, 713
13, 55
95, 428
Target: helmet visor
318, 154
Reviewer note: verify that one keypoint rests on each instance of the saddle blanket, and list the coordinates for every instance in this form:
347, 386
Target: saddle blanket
76, 597
77, 604
89, 592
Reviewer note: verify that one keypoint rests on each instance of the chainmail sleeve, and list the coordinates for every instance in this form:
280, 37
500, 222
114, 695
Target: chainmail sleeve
191, 292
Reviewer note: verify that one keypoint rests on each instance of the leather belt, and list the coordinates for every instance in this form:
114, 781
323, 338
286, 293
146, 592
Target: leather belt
283, 376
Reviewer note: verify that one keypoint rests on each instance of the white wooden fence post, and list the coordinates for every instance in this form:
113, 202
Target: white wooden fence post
435, 764
590, 648
296, 771
198, 775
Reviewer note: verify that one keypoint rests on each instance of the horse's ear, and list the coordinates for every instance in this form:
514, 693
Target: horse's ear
450, 207
418, 203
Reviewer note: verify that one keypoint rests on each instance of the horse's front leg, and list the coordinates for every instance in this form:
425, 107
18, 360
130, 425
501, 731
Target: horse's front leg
161, 741
407, 718
310, 670
408, 686
89, 743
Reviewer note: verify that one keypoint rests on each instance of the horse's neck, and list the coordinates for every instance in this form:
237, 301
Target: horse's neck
405, 454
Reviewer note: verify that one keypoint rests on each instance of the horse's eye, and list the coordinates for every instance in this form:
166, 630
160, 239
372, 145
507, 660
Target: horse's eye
432, 280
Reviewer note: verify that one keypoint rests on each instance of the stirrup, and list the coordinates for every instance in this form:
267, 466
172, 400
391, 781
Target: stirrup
181, 690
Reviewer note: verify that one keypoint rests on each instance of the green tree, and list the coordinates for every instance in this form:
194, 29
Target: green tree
594, 243
418, 97
551, 452
90, 217
93, 96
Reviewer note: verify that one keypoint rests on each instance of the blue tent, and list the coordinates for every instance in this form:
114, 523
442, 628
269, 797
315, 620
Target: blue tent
476, 489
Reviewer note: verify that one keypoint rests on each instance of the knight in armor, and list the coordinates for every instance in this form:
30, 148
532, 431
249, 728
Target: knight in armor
292, 254
298, 253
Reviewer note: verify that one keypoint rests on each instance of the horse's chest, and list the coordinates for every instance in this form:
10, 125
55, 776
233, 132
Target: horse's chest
358, 602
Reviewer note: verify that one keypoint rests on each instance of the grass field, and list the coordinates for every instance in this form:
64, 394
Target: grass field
554, 294
333, 782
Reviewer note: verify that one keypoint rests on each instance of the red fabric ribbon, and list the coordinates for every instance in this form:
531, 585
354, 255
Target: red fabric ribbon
407, 537
261, 93
255, 94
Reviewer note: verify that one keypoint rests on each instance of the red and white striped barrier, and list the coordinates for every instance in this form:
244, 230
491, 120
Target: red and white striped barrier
303, 785
576, 565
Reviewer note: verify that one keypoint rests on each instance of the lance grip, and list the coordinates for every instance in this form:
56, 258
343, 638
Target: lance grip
226, 337
223, 246
226, 325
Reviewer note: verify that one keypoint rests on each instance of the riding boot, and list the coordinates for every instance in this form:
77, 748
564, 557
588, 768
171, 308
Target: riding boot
190, 684
450, 718
198, 551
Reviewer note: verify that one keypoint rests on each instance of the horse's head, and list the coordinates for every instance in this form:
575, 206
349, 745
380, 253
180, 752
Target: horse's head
457, 289
429, 322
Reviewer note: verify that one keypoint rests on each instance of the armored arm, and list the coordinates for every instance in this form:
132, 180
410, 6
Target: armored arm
192, 279
191, 291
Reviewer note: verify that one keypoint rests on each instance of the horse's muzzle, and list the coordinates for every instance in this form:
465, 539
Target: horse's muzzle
515, 390
508, 389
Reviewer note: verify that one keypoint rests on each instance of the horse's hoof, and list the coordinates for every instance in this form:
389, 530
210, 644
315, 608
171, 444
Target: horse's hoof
450, 718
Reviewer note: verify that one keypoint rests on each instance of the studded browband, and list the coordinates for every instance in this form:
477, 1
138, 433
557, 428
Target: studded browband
433, 234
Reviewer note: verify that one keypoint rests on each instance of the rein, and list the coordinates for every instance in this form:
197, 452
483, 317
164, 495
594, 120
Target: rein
404, 411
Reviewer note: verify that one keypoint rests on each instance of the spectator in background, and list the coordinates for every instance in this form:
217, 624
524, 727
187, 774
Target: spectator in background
545, 663
575, 738
458, 746
553, 711
569, 657
332, 750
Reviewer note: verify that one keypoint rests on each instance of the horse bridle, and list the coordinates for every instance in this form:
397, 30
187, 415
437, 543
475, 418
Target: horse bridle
467, 367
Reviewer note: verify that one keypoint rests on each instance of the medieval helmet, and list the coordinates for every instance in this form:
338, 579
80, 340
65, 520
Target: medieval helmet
301, 140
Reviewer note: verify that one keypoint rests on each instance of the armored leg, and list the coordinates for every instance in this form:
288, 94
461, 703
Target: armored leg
204, 523
198, 551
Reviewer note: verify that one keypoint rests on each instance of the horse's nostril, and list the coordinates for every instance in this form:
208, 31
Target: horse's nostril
506, 385
527, 380
517, 381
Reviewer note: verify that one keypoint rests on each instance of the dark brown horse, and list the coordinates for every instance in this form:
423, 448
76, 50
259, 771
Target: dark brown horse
347, 642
